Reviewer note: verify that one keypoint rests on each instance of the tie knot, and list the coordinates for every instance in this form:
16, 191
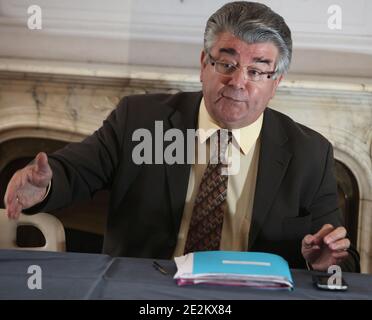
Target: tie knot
224, 137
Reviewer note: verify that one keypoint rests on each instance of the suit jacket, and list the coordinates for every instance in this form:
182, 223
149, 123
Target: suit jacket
296, 191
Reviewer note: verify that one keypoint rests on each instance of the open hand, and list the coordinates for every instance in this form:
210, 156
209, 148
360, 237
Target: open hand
28, 186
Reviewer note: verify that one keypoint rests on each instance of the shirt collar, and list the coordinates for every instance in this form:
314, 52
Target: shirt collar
244, 137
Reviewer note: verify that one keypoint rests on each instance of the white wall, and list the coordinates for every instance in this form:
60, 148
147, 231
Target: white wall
169, 32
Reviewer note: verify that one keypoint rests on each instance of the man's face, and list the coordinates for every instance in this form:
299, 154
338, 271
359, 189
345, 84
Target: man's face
234, 101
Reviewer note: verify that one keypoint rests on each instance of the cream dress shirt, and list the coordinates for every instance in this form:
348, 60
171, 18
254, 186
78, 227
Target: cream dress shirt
241, 186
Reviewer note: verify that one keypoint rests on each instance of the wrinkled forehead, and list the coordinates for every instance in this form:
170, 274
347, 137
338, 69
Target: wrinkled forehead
229, 46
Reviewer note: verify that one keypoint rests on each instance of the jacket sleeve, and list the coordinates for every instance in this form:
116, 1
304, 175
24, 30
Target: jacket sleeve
80, 169
325, 209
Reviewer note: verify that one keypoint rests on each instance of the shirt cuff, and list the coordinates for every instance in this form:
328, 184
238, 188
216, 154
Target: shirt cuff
308, 266
47, 191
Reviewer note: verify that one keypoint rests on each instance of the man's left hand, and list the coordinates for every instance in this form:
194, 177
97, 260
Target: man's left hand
325, 248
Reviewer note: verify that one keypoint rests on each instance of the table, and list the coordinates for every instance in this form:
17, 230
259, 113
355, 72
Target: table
98, 276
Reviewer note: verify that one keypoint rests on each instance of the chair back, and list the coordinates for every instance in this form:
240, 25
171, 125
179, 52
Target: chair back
49, 225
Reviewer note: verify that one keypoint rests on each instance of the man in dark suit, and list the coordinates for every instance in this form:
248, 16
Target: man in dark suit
283, 199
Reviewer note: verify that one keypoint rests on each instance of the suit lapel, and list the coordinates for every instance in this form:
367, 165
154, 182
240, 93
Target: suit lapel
273, 163
185, 117
182, 114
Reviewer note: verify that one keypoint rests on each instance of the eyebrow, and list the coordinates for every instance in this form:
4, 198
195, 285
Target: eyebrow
230, 51
233, 52
262, 60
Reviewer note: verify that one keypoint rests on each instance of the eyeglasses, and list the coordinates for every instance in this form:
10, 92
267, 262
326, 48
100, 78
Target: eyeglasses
228, 69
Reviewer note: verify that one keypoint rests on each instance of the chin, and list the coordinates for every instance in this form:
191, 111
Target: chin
229, 121
232, 114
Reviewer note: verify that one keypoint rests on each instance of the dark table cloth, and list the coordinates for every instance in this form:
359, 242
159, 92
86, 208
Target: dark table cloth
98, 276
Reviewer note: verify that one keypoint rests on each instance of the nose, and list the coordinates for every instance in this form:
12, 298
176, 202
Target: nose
239, 79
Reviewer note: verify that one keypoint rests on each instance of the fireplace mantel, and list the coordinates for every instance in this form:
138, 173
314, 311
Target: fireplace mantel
68, 101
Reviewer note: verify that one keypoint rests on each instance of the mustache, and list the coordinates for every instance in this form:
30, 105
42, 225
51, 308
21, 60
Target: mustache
231, 93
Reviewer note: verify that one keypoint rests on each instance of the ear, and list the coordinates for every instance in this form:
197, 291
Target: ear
203, 56
203, 64
275, 85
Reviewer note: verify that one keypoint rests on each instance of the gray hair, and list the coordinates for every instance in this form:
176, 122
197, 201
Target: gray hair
251, 22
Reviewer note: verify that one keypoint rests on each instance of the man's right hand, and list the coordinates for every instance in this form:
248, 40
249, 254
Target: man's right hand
28, 186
